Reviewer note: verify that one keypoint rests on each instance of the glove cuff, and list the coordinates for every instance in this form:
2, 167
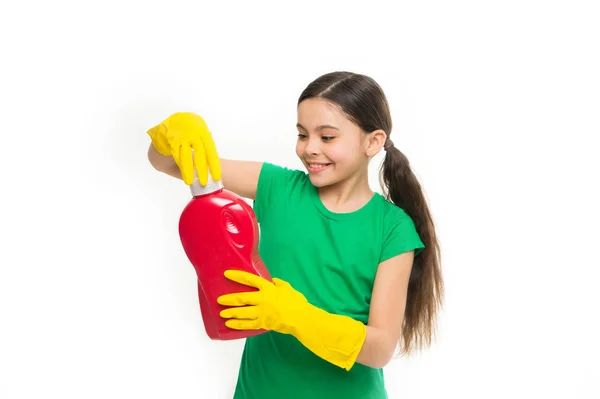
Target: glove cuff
337, 339
159, 141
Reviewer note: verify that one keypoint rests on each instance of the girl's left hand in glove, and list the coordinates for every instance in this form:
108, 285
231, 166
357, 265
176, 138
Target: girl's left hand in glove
277, 306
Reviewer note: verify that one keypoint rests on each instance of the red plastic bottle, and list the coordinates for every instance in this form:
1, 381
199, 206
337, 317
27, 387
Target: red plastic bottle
219, 231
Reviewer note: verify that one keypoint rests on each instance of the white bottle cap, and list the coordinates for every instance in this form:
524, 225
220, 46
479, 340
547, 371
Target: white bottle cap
211, 186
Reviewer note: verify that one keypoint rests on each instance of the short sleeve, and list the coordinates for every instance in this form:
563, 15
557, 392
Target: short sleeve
402, 237
274, 185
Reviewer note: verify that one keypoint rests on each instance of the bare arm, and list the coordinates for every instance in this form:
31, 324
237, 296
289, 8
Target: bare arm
387, 311
241, 177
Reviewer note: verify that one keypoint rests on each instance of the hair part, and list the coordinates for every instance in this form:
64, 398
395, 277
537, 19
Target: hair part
362, 99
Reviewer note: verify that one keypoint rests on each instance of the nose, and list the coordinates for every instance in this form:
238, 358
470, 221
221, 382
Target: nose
312, 146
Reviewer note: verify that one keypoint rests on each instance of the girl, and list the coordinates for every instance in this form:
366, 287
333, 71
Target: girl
355, 272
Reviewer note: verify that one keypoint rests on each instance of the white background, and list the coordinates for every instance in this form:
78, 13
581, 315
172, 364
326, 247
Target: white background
496, 104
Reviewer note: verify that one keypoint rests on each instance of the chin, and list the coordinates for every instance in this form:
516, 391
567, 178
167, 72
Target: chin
317, 182
320, 181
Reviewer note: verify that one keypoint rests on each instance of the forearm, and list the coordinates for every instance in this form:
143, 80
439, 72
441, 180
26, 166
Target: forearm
378, 348
345, 341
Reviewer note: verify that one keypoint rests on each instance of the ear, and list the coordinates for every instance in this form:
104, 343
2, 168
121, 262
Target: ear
374, 142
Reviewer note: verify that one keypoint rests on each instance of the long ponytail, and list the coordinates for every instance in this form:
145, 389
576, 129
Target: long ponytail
426, 286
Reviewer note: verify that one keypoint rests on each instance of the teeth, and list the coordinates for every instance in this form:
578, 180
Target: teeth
317, 165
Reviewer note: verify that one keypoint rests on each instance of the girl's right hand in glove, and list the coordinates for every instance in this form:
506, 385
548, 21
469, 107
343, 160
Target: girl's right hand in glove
181, 133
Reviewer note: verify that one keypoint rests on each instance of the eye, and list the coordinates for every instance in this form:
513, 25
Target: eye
327, 138
301, 136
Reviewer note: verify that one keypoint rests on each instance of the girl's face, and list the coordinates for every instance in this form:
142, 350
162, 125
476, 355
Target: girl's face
331, 147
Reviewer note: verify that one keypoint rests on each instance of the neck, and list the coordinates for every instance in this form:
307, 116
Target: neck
347, 195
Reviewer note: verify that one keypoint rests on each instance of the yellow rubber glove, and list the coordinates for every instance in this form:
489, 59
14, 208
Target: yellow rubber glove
277, 306
181, 133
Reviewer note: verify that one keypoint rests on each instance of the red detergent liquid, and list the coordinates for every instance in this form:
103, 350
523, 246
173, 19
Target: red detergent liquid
219, 231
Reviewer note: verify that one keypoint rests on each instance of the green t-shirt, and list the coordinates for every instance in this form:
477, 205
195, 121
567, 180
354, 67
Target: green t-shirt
332, 259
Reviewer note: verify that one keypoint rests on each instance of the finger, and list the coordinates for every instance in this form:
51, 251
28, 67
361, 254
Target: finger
240, 299
200, 161
243, 312
280, 283
175, 153
186, 163
243, 324
212, 157
245, 278
175, 147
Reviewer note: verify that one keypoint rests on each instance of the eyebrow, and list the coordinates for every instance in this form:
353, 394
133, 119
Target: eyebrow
320, 127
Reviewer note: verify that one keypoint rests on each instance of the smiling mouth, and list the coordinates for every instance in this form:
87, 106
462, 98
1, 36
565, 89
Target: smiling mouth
317, 167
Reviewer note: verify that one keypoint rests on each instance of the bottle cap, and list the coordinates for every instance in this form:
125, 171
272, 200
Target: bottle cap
211, 186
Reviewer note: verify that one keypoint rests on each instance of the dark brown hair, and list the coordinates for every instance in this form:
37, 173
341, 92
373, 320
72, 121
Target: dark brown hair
361, 98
